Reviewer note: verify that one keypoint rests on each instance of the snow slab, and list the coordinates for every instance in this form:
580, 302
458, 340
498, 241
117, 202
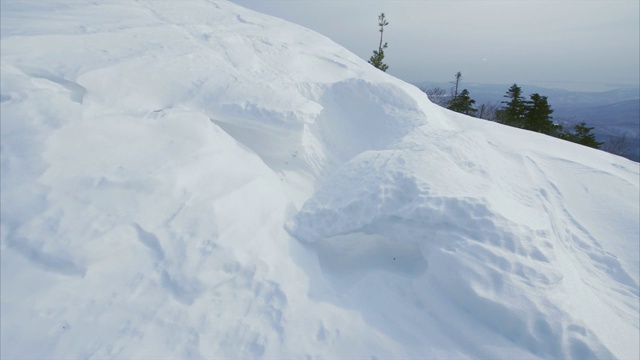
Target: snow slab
192, 179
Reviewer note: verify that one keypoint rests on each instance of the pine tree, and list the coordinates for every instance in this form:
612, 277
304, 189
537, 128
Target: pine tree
513, 112
378, 55
462, 103
582, 135
538, 115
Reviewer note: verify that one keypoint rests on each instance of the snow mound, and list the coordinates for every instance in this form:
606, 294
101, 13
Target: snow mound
510, 253
196, 180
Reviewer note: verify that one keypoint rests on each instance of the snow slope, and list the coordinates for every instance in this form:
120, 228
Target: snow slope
196, 180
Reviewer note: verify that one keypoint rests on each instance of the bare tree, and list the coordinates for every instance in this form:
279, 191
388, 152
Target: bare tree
456, 84
488, 111
617, 145
437, 95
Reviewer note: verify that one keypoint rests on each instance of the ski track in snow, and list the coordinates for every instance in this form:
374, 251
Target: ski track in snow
196, 180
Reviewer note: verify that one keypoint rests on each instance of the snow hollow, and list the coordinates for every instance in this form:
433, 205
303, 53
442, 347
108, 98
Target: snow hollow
192, 179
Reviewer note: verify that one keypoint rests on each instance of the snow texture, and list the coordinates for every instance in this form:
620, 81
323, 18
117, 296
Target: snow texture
191, 179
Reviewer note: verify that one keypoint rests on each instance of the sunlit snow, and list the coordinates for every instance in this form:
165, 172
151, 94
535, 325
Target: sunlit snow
191, 179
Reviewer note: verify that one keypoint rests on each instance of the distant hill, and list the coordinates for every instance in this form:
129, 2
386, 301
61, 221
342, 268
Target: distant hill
613, 119
612, 113
609, 121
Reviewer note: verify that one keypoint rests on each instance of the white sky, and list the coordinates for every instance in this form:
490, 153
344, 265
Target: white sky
522, 41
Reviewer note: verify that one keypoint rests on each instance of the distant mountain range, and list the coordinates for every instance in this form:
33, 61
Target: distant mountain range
612, 114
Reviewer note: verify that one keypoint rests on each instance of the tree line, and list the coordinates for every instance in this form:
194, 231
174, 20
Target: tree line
533, 114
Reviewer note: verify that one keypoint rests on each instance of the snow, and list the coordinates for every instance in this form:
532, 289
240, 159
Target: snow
196, 180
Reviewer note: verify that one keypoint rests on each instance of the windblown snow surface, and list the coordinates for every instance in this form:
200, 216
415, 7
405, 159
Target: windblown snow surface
191, 179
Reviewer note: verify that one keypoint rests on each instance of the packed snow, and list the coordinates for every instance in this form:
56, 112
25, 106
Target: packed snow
192, 179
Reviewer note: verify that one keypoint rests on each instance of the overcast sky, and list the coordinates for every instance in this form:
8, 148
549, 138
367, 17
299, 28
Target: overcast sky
527, 42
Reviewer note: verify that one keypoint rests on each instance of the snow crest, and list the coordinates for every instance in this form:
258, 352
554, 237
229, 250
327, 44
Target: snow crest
195, 180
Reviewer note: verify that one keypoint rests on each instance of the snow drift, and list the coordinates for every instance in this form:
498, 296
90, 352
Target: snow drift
193, 179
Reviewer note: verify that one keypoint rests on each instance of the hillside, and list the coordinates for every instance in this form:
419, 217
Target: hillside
196, 180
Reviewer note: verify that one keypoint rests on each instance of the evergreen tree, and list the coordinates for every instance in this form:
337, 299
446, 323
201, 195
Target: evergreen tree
462, 103
378, 55
582, 135
537, 115
513, 111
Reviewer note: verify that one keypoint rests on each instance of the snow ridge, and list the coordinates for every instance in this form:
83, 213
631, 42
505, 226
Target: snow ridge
196, 180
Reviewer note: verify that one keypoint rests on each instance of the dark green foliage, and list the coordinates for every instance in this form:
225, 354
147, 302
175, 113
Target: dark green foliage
582, 135
512, 113
378, 55
537, 115
462, 103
